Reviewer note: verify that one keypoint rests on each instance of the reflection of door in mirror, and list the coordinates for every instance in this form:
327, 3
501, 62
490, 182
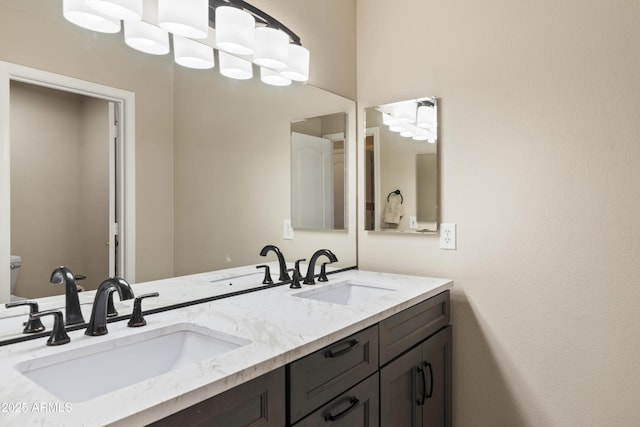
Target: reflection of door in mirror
62, 172
318, 173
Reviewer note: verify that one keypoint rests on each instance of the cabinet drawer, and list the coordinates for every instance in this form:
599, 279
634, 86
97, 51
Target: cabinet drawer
403, 330
258, 402
320, 376
357, 407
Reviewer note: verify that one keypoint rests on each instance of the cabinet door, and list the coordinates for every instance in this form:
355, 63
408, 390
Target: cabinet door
357, 407
401, 384
259, 402
436, 366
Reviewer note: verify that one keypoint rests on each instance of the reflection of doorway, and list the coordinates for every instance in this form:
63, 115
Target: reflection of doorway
312, 182
62, 176
123, 153
372, 215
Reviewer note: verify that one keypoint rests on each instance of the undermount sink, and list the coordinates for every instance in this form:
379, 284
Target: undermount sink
84, 373
345, 293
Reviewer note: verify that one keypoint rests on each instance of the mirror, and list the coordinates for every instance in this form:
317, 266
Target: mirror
218, 149
401, 166
318, 172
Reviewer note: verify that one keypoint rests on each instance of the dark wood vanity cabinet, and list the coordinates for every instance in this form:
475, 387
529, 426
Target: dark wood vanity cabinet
259, 402
415, 388
396, 373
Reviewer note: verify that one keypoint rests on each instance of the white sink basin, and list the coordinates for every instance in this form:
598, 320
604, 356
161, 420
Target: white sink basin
84, 373
345, 293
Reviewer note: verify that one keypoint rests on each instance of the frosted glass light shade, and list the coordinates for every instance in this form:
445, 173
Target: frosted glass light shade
235, 30
188, 18
271, 48
273, 78
191, 54
426, 117
234, 67
146, 38
127, 10
76, 12
297, 63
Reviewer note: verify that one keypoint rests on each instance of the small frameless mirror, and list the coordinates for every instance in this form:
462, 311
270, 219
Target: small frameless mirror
401, 166
318, 162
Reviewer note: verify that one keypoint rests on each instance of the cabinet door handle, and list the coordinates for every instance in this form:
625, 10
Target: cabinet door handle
420, 401
353, 404
351, 345
428, 365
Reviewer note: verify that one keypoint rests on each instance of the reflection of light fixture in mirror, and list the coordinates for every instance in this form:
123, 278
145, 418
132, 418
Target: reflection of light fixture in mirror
414, 119
128, 10
426, 115
76, 12
187, 18
277, 48
234, 67
146, 38
191, 54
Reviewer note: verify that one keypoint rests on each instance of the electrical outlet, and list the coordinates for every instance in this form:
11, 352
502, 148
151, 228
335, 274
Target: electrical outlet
413, 222
447, 236
287, 233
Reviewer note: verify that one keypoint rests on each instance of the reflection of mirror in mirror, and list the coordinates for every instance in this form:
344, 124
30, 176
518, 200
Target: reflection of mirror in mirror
401, 167
318, 173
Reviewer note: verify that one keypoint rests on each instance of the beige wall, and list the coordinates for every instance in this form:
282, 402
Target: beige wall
539, 168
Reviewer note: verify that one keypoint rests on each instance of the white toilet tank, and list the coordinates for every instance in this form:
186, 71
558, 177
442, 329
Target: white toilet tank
16, 262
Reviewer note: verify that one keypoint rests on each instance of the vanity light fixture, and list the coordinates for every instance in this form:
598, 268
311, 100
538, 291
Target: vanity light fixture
415, 119
76, 12
242, 34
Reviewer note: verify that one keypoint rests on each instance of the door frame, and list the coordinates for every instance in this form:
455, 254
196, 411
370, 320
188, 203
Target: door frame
125, 106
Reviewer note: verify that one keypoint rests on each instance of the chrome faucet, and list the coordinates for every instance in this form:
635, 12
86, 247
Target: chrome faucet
72, 313
98, 322
284, 275
309, 279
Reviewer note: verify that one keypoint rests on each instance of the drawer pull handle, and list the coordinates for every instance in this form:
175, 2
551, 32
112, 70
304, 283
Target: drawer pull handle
428, 395
420, 401
353, 404
352, 345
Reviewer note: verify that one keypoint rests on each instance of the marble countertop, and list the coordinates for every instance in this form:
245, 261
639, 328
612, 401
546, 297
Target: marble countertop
279, 327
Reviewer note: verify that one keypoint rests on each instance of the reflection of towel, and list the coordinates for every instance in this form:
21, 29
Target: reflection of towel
393, 211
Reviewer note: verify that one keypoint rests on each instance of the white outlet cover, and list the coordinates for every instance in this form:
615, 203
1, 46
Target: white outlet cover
413, 222
447, 236
287, 232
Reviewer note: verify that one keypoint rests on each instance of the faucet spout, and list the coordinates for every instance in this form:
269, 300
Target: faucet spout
73, 315
98, 322
309, 279
284, 275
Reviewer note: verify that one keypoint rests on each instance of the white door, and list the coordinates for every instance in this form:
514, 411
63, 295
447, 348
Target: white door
312, 182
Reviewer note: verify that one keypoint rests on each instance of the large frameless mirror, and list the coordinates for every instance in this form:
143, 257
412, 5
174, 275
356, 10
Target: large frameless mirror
401, 166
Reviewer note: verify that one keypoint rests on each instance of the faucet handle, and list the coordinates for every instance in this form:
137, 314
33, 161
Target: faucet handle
136, 317
267, 274
298, 267
323, 272
295, 281
32, 325
58, 333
